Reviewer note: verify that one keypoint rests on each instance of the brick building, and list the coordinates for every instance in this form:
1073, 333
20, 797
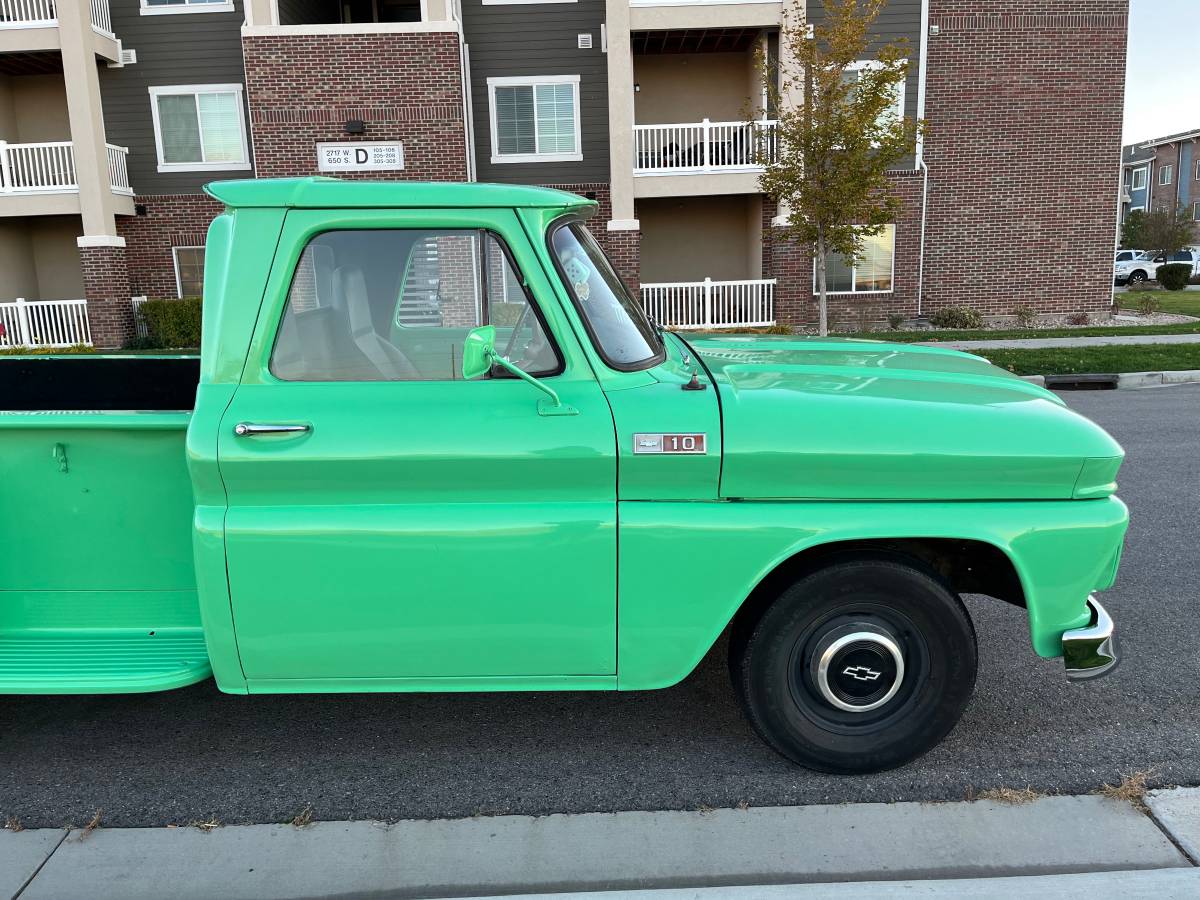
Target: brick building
114, 113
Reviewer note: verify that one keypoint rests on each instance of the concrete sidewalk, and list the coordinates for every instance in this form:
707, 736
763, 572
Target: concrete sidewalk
1049, 343
1055, 846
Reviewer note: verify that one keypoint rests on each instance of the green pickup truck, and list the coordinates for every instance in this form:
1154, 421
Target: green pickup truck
432, 443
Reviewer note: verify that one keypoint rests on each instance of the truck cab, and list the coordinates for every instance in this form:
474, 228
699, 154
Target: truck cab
435, 444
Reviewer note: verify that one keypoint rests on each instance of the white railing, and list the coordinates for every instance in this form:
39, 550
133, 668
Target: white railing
49, 168
102, 18
28, 13
118, 169
44, 323
139, 322
711, 304
698, 147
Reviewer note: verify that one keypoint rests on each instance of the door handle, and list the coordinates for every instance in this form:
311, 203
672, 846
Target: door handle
249, 429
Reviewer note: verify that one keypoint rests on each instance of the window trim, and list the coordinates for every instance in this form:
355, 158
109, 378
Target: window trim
184, 7
1144, 171
854, 273
1167, 169
861, 64
481, 280
175, 261
168, 90
576, 219
1196, 210
532, 81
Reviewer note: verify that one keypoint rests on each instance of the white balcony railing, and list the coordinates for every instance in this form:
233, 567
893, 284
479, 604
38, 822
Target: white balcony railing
49, 168
711, 304
44, 323
44, 14
28, 14
702, 147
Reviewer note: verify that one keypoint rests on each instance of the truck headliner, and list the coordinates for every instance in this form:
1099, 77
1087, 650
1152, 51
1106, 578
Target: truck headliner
319, 192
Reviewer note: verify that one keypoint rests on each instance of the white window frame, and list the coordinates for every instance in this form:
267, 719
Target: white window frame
1168, 171
1133, 180
186, 6
854, 271
1198, 170
898, 109
532, 81
193, 89
175, 262
1196, 210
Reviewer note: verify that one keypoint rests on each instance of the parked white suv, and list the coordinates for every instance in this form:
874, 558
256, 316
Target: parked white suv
1134, 266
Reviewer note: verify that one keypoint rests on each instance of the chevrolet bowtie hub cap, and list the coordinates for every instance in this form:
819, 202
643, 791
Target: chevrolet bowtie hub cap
858, 667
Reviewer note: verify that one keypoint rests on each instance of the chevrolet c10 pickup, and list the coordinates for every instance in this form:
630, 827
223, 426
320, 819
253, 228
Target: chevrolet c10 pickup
432, 443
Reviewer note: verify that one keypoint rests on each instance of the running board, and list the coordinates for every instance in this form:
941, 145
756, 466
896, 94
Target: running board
101, 661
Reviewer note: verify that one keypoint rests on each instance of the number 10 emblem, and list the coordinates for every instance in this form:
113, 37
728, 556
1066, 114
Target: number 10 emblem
690, 443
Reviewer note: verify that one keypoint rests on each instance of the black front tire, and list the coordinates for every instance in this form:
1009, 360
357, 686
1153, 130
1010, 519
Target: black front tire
861, 666
1136, 278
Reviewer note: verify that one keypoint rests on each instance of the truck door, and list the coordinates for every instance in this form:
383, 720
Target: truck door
387, 519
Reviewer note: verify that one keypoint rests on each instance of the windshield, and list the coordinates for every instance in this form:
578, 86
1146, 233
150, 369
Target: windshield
615, 320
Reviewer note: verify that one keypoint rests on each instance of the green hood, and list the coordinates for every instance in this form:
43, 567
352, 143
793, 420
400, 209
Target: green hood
846, 419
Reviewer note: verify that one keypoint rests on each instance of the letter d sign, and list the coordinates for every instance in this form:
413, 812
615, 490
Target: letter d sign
360, 156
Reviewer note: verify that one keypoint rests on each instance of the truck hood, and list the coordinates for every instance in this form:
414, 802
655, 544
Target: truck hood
848, 419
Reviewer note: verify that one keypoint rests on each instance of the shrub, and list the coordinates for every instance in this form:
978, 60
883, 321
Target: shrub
173, 323
779, 328
1173, 276
956, 317
1148, 304
895, 320
1079, 318
1025, 315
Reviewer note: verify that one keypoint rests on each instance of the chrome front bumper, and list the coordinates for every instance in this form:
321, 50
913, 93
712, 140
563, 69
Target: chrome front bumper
1091, 652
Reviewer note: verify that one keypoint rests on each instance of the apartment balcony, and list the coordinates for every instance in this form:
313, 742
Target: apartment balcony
40, 179
31, 26
701, 158
689, 305
681, 15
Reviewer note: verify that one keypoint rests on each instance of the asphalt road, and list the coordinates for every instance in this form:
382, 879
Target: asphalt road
195, 754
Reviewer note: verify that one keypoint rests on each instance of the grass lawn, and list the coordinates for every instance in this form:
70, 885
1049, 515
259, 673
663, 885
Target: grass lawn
80, 350
993, 334
1184, 302
1096, 360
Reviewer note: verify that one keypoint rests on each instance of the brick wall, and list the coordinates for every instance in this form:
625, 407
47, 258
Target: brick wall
792, 267
301, 89
170, 220
1023, 107
106, 286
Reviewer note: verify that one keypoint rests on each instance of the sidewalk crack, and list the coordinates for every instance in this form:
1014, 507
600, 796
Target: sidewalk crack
41, 865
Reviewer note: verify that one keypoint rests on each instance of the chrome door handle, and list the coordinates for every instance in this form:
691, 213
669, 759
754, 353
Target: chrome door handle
249, 429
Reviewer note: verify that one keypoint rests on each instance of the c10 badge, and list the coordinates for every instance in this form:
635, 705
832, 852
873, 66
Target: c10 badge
688, 444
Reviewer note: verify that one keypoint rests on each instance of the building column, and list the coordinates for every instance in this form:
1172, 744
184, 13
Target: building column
101, 250
624, 236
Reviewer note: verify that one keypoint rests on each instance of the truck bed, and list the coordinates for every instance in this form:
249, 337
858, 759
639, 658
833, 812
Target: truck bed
97, 586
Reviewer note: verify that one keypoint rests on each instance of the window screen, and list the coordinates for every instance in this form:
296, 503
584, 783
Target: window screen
396, 305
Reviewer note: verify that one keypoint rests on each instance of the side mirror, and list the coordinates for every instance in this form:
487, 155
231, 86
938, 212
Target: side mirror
479, 351
479, 355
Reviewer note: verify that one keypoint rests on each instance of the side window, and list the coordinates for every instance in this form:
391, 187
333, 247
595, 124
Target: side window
396, 305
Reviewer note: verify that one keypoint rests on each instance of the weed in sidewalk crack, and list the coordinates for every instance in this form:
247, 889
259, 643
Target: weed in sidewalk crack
12, 823
1131, 789
305, 817
1011, 796
210, 825
91, 826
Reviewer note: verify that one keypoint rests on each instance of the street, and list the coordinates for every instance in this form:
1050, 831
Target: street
196, 755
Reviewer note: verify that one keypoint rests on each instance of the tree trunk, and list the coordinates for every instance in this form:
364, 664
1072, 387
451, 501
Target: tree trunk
822, 303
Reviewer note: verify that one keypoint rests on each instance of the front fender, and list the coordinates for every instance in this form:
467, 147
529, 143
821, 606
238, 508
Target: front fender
686, 568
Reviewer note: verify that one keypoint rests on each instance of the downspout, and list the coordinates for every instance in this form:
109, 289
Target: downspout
924, 62
454, 10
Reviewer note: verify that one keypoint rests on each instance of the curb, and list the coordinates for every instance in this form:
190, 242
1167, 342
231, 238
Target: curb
1120, 381
631, 851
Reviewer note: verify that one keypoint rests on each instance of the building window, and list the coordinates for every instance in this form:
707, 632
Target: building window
163, 7
870, 273
189, 271
1166, 174
1196, 211
199, 127
535, 119
1198, 171
854, 71
1139, 179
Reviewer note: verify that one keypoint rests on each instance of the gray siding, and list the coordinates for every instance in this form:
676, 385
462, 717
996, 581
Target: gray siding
900, 19
537, 39
188, 48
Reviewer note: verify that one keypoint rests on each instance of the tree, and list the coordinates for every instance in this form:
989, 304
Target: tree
840, 136
1133, 231
1167, 230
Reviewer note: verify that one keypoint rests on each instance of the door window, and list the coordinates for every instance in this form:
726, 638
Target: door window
396, 305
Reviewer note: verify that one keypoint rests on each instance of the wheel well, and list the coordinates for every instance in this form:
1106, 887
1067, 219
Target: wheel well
965, 567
